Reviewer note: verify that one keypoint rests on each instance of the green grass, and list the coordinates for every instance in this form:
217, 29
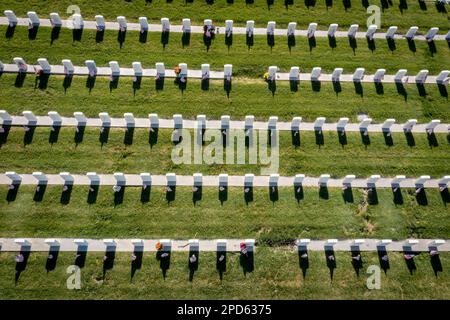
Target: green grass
247, 97
240, 13
247, 63
331, 158
278, 222
267, 281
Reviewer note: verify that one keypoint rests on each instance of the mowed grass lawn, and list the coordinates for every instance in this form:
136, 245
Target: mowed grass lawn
115, 156
425, 17
248, 97
277, 275
249, 63
278, 222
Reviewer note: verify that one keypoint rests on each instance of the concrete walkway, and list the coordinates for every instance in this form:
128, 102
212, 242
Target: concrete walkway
214, 75
296, 124
88, 24
138, 180
230, 245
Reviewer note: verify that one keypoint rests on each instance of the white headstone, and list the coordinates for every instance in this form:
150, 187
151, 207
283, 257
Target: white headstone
352, 30
271, 27
33, 18
400, 76
249, 27
55, 19
248, 179
373, 179
137, 242
205, 70
40, 177
77, 21
365, 124
315, 73
221, 245
295, 125
444, 181
421, 180
332, 242
225, 122
160, 69
348, 179
431, 33
143, 23
198, 179
68, 66
249, 121
391, 32
207, 22
154, 121
311, 29
336, 75
20, 63
80, 242
411, 33
105, 118
397, 180
56, 118
171, 179
443, 77
250, 244
421, 76
186, 25
386, 126
129, 119
228, 27
165, 24
146, 178
409, 124
432, 125
21, 242
93, 177
100, 22
92, 67
67, 177
385, 242
52, 242
194, 244
273, 72
223, 179
299, 179
323, 179
12, 19
371, 31
273, 179
201, 121
115, 69
332, 29
120, 178
318, 124
359, 74
109, 242
184, 69
137, 67
291, 28
272, 124
43, 63
177, 121
342, 123
31, 118
294, 74
228, 70
379, 75
6, 118
80, 117
122, 23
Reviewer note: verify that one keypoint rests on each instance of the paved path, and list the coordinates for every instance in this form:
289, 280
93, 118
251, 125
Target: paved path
199, 29
215, 75
208, 181
46, 121
127, 245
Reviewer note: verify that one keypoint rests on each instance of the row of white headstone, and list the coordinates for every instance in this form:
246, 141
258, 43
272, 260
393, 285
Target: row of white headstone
221, 245
223, 180
69, 68
358, 75
78, 23
177, 120
294, 74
